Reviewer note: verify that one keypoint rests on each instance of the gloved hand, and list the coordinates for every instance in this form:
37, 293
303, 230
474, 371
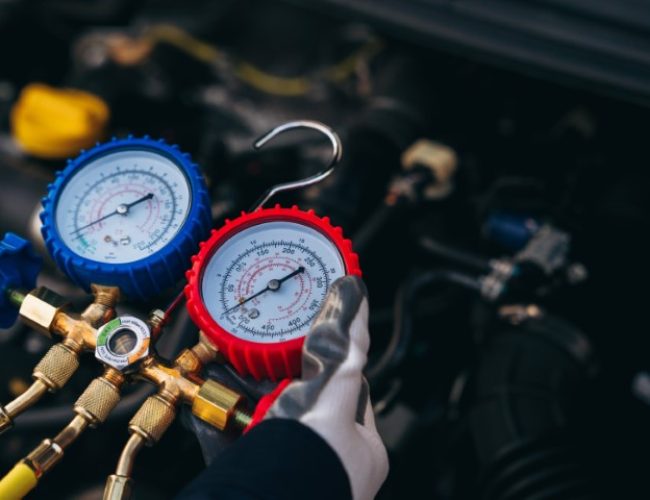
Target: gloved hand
332, 397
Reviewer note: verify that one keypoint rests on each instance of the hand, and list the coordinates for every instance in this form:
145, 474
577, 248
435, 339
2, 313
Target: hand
332, 397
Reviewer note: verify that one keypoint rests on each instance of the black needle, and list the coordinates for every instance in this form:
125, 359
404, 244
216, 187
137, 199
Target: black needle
122, 209
273, 286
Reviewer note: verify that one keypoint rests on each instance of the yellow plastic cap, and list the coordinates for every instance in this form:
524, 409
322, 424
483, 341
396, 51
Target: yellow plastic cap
18, 482
55, 123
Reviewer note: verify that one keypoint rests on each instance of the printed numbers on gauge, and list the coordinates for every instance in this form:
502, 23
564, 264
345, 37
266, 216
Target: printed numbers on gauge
123, 207
267, 282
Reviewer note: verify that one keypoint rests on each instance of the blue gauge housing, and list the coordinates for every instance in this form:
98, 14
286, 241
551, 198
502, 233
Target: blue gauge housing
140, 279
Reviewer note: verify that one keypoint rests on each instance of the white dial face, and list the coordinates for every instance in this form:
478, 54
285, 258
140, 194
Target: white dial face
267, 283
123, 207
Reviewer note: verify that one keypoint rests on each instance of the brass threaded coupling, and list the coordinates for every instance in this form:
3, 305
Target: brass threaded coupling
40, 307
57, 366
216, 404
118, 487
47, 454
102, 308
100, 397
156, 321
107, 296
153, 418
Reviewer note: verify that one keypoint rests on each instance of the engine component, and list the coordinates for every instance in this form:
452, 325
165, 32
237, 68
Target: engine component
128, 213
440, 160
511, 231
56, 123
522, 410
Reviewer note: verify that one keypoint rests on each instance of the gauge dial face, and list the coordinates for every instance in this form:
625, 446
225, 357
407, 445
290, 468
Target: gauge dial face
267, 282
123, 206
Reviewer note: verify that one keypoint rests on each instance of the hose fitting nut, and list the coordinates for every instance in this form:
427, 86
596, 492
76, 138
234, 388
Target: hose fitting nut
153, 418
118, 488
56, 367
40, 307
97, 401
215, 404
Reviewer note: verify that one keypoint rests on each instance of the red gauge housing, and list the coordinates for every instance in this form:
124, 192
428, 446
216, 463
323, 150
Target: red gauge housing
261, 360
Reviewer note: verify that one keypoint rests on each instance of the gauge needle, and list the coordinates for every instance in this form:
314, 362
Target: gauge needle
122, 209
272, 286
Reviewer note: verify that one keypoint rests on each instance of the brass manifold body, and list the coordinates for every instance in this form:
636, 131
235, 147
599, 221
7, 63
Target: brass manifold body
178, 383
45, 311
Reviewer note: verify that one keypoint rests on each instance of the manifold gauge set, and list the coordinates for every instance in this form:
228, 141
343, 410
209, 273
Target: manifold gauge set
132, 213
128, 220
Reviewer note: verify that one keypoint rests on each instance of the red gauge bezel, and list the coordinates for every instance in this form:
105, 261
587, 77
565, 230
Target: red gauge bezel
274, 361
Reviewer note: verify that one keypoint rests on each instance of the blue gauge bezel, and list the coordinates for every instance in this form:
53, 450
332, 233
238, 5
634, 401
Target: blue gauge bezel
141, 279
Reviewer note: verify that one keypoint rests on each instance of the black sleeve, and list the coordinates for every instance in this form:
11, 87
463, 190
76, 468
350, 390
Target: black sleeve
279, 459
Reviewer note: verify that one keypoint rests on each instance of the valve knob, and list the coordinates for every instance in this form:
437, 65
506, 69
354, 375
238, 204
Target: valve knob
19, 267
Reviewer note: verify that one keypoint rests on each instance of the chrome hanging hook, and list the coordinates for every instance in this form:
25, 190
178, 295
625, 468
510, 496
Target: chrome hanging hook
337, 151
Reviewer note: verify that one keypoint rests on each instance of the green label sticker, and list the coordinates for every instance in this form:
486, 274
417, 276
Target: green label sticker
107, 329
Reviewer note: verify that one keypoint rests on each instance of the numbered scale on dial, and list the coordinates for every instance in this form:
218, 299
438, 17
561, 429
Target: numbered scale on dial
258, 283
127, 213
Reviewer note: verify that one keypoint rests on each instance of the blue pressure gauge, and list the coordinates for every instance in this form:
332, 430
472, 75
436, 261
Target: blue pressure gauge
127, 213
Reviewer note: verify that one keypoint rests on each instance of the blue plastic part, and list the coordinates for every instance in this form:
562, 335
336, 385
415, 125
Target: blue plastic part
19, 268
511, 231
148, 277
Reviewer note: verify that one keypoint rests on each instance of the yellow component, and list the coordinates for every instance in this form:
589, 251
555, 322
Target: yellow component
182, 40
56, 123
252, 75
18, 482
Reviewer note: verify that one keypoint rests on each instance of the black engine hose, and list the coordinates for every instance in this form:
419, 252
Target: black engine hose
393, 356
457, 256
526, 382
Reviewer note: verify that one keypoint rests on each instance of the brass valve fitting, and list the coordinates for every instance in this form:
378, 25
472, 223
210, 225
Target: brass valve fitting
102, 309
93, 407
153, 418
40, 307
100, 397
147, 427
217, 405
44, 310
47, 454
57, 366
50, 374
191, 361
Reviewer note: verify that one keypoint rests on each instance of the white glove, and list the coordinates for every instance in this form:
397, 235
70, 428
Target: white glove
332, 397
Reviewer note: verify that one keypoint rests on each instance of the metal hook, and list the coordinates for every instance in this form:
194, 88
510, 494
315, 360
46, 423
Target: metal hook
337, 151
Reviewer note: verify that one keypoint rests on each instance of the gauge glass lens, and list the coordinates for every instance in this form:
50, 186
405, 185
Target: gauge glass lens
123, 206
266, 283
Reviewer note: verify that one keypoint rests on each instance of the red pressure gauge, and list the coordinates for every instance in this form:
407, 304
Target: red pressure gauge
257, 284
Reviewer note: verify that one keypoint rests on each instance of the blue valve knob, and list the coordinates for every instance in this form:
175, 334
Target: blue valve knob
19, 267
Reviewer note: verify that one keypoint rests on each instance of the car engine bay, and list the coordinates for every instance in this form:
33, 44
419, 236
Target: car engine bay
497, 209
